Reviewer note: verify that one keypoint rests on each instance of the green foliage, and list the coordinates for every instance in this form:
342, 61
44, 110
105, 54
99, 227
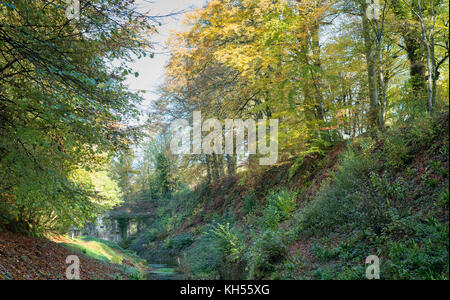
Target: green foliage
163, 174
250, 202
300, 160
424, 257
157, 171
271, 217
398, 152
373, 208
136, 276
122, 171
444, 199
267, 250
280, 205
228, 242
335, 203
339, 272
217, 254
63, 107
204, 259
407, 138
180, 242
325, 253
364, 208
387, 187
421, 132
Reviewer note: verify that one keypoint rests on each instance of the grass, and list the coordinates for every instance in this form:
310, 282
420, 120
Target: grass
98, 249
106, 251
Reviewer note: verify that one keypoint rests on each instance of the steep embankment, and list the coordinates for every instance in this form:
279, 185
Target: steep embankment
29, 258
318, 217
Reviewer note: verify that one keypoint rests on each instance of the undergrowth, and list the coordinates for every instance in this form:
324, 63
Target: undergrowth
386, 195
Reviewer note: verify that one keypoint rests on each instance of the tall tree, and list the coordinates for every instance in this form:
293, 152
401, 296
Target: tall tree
63, 104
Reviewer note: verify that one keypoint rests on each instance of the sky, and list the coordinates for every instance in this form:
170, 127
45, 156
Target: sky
151, 71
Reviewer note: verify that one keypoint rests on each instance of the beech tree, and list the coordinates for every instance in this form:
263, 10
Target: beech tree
63, 104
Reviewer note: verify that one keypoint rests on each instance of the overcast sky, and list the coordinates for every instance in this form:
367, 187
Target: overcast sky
151, 71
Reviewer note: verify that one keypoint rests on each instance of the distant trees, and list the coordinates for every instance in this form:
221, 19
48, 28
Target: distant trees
428, 29
157, 171
122, 170
424, 28
327, 69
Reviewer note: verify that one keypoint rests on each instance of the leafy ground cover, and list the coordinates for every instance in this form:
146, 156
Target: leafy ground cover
31, 258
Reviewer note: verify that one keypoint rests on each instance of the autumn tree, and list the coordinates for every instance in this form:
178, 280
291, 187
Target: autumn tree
63, 104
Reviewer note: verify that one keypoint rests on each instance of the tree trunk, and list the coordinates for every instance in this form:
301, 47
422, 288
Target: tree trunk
414, 50
231, 165
381, 72
221, 166
435, 71
430, 70
215, 168
417, 65
208, 169
371, 69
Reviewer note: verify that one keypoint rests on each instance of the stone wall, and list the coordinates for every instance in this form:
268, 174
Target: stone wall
109, 228
105, 228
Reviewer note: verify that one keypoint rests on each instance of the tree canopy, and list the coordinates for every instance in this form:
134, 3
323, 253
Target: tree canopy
328, 70
63, 104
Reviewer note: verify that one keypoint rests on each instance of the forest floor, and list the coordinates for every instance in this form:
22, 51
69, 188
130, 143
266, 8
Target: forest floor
30, 258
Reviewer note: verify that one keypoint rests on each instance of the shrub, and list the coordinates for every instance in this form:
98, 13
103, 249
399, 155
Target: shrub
424, 257
182, 241
136, 276
336, 201
250, 202
203, 260
268, 249
228, 242
272, 217
281, 204
325, 253
388, 187
139, 242
443, 199
397, 151
421, 132
314, 150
